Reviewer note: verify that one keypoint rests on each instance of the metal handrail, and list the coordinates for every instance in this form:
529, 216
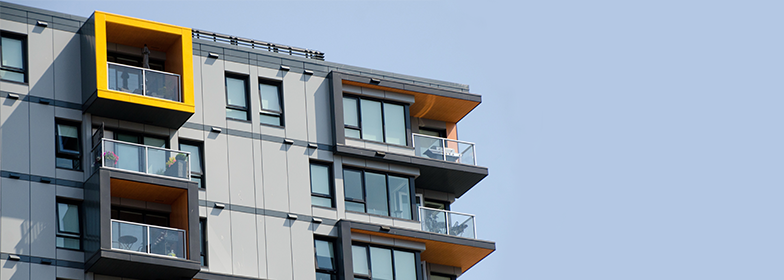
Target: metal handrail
473, 146
447, 221
256, 44
184, 234
145, 146
442, 138
144, 79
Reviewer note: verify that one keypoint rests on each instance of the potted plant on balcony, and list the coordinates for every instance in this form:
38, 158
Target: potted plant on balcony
177, 166
110, 159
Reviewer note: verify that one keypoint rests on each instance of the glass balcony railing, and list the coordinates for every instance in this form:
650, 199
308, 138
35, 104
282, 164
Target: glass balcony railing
447, 222
142, 159
444, 149
148, 239
145, 82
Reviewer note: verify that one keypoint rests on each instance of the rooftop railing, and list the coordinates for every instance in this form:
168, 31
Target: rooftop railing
148, 239
444, 149
447, 222
145, 82
141, 158
256, 44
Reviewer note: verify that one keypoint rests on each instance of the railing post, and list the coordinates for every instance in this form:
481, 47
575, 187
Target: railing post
149, 241
146, 155
443, 148
473, 149
448, 223
144, 82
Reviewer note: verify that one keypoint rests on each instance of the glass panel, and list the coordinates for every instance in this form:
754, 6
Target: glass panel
68, 218
354, 206
324, 276
68, 243
359, 258
162, 85
176, 164
451, 151
350, 112
197, 180
125, 79
12, 53
461, 225
429, 147
66, 163
320, 201
352, 184
236, 114
319, 179
124, 156
157, 161
352, 133
235, 91
405, 266
269, 97
128, 138
371, 120
195, 156
433, 221
325, 257
129, 237
376, 188
394, 124
270, 119
167, 242
399, 197
68, 138
381, 263
12, 76
466, 153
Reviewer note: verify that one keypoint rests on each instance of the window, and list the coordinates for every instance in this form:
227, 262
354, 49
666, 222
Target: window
68, 146
440, 277
377, 193
236, 97
203, 240
374, 120
326, 268
321, 185
271, 103
12, 55
69, 233
197, 169
372, 262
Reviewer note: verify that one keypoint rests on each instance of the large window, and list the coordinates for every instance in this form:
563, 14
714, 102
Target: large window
69, 233
13, 57
271, 111
374, 120
377, 193
236, 97
203, 241
321, 185
326, 267
372, 262
197, 168
68, 146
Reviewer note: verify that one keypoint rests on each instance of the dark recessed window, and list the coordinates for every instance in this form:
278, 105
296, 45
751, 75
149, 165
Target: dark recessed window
326, 266
374, 120
236, 97
377, 193
203, 240
321, 184
69, 153
69, 233
372, 262
197, 168
271, 111
13, 57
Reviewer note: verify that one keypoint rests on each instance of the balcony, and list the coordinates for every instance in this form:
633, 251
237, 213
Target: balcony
447, 222
148, 239
146, 82
444, 149
142, 159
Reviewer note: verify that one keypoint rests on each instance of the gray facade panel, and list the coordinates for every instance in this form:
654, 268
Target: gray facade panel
278, 231
216, 168
243, 237
299, 180
15, 135
43, 215
15, 219
241, 183
42, 140
67, 53
213, 87
41, 71
274, 172
219, 235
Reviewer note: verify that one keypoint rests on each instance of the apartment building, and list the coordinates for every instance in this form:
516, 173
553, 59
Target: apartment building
132, 149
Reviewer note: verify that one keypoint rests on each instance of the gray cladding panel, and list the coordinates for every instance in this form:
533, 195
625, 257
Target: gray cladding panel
319, 104
294, 105
275, 176
198, 115
302, 249
13, 270
15, 219
243, 237
213, 86
43, 220
41, 70
41, 271
216, 167
278, 231
220, 238
299, 180
261, 243
42, 134
68, 86
241, 181
15, 135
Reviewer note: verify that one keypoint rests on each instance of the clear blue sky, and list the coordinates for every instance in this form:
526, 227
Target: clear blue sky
625, 140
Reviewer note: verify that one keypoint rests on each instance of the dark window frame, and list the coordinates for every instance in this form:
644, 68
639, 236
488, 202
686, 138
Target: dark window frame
267, 112
331, 179
370, 260
406, 120
25, 64
203, 242
334, 272
61, 152
411, 192
244, 79
200, 146
139, 136
72, 235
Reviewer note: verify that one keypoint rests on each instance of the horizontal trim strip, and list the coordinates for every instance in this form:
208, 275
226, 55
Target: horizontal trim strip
247, 134
266, 212
37, 100
39, 260
35, 178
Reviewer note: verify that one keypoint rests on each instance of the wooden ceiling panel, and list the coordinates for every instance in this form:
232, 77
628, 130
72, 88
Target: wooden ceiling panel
145, 191
137, 37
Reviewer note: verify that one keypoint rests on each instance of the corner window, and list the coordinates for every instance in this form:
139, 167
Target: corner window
321, 185
203, 241
326, 268
236, 97
372, 262
69, 232
68, 146
197, 168
271, 111
377, 193
13, 56
374, 120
